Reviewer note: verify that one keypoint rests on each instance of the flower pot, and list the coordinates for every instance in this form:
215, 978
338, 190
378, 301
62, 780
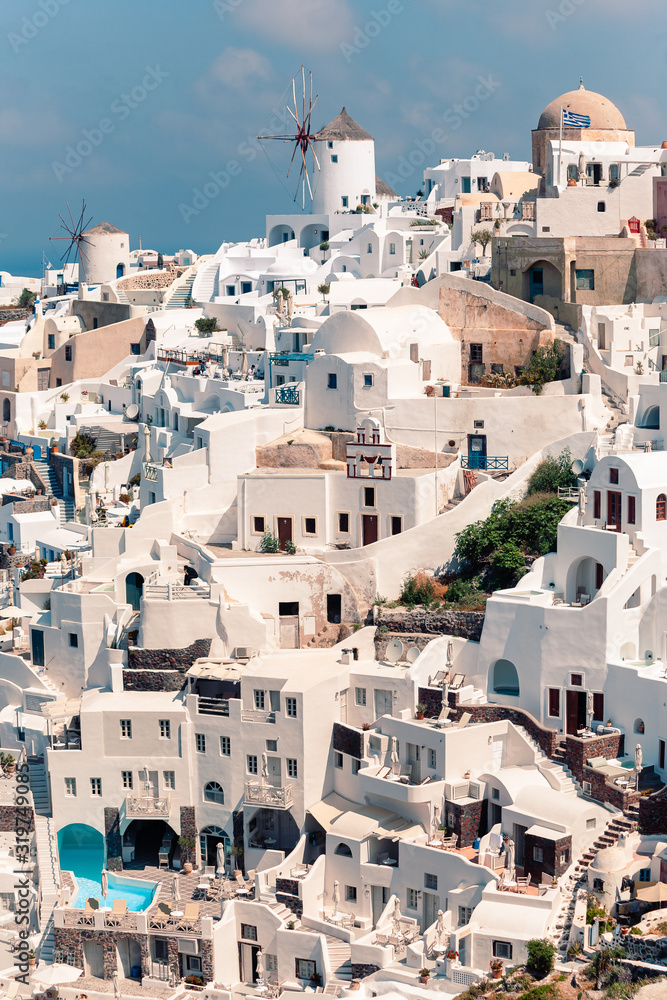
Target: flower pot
420, 715
355, 985
496, 973
423, 980
187, 868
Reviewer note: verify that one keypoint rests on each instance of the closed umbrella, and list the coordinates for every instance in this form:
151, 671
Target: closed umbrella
279, 304
397, 915
435, 823
105, 885
450, 654
440, 926
653, 893
259, 969
394, 751
220, 858
639, 758
265, 768
509, 858
336, 896
175, 889
244, 363
290, 308
116, 987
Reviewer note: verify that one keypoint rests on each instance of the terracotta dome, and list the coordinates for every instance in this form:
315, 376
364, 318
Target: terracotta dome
603, 114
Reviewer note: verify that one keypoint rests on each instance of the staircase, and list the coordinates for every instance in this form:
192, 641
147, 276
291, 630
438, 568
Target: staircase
339, 960
206, 285
39, 786
132, 625
560, 774
179, 297
49, 883
122, 297
53, 489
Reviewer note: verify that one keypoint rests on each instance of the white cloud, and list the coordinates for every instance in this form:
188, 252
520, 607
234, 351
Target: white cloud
238, 67
316, 25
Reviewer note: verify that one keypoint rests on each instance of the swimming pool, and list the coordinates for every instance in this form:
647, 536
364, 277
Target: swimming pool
82, 851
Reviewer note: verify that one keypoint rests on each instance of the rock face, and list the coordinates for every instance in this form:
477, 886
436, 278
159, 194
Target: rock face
463, 624
156, 279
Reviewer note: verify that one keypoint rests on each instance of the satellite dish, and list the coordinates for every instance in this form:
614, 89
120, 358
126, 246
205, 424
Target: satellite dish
394, 650
577, 466
132, 411
412, 654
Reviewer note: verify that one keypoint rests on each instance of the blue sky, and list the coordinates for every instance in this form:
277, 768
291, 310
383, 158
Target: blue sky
160, 95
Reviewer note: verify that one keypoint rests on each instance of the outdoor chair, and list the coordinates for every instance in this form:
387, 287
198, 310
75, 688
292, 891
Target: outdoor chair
458, 681
522, 883
161, 916
464, 720
190, 917
89, 910
118, 911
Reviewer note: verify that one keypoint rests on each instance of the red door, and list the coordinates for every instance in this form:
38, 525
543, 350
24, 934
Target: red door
284, 531
661, 206
369, 526
613, 511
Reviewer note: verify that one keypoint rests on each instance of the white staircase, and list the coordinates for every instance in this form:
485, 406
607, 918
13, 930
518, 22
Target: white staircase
339, 960
205, 287
285, 914
49, 883
39, 786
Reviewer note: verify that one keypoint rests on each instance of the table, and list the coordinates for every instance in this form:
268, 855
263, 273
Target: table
335, 918
434, 843
390, 861
439, 949
176, 913
270, 841
243, 892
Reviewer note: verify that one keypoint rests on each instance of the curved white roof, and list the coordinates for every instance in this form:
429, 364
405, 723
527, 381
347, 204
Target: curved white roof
387, 333
293, 268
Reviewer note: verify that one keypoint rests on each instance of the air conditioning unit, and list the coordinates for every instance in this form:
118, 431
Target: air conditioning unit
458, 790
244, 652
476, 789
188, 946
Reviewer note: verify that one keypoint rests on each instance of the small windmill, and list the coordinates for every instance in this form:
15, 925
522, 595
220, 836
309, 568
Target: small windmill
76, 237
300, 135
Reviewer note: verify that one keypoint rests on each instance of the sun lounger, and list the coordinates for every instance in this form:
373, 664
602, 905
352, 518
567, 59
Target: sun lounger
161, 916
190, 917
118, 911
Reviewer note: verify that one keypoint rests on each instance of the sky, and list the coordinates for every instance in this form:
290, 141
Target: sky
149, 110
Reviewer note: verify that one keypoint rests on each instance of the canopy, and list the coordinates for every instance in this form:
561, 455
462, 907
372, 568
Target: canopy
56, 974
653, 893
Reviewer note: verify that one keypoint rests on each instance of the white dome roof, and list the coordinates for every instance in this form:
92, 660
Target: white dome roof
610, 859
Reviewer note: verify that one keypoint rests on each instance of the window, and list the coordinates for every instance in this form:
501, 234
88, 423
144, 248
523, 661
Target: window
602, 207
274, 696
478, 425
213, 793
126, 779
639, 726
392, 249
591, 824
412, 899
369, 496
165, 729
338, 759
495, 794
356, 765
343, 523
251, 763
70, 787
644, 874
631, 510
476, 352
310, 525
332, 380
330, 145
126, 729
292, 767
260, 700
7, 901
465, 913
576, 680
225, 746
369, 248
431, 757
304, 967
598, 885
345, 202
538, 853
68, 352
258, 525
230, 289
360, 697
249, 932
200, 742
585, 278
169, 778
368, 380
598, 706
52, 341
564, 857
554, 703
246, 286
613, 476
271, 962
135, 348
272, 746
334, 158
290, 708
613, 171
654, 338
73, 640
661, 508
343, 851
430, 881
395, 524
597, 496
502, 949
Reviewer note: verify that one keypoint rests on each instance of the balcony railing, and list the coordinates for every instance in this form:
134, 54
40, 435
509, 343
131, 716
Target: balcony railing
273, 796
147, 805
212, 706
256, 715
150, 473
488, 462
288, 395
175, 591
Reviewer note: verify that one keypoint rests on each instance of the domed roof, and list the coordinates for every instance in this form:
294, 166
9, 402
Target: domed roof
602, 112
610, 859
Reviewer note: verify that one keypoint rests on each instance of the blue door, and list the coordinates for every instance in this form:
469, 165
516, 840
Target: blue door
476, 451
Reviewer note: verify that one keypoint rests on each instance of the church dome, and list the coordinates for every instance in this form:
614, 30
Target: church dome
602, 112
610, 859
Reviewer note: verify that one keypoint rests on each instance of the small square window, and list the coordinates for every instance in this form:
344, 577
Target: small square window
258, 525
369, 496
332, 380
538, 853
330, 145
392, 249
360, 697
135, 348
310, 525
165, 729
343, 523
338, 759
576, 680
430, 881
292, 767
478, 425
613, 476
126, 729
602, 207
591, 824
70, 787
368, 380
249, 932
546, 229
477, 352
169, 778
291, 708
95, 786
350, 893
225, 746
412, 899
585, 279
334, 158
68, 352
513, 272
73, 640
272, 746
127, 779
200, 742
502, 949
431, 757
344, 202
259, 697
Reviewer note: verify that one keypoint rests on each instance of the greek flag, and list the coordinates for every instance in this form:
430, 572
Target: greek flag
576, 121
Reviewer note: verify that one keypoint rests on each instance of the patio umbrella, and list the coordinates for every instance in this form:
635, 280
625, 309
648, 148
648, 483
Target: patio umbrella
509, 857
265, 767
290, 308
394, 751
450, 653
57, 974
639, 759
175, 889
440, 926
244, 363
279, 304
336, 896
259, 969
105, 884
116, 986
220, 858
435, 823
653, 893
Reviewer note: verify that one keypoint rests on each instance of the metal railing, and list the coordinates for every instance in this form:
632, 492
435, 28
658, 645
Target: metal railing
276, 796
487, 462
147, 805
568, 493
288, 395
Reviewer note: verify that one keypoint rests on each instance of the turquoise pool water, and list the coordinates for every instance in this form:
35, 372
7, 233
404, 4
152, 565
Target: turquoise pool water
82, 852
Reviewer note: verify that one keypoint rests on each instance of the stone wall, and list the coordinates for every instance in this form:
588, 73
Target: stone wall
24, 506
13, 817
653, 812
161, 669
546, 738
348, 741
611, 745
152, 680
289, 899
9, 315
464, 624
70, 941
22, 467
360, 971
152, 279
468, 819
113, 839
552, 851
383, 639
188, 829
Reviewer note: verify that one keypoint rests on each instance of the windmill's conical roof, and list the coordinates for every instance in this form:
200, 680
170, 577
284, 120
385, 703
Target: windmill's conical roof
104, 227
341, 128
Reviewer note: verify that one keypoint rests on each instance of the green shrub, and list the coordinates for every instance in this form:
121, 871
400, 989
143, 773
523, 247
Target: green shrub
540, 957
206, 324
82, 445
26, 299
509, 565
553, 472
269, 543
545, 991
542, 367
290, 548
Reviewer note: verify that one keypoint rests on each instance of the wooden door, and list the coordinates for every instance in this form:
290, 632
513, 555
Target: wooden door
414, 760
431, 907
369, 524
289, 632
477, 451
613, 510
575, 711
43, 379
275, 771
284, 531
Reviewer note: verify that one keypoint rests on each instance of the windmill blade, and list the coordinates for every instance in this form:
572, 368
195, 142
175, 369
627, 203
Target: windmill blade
292, 160
305, 171
71, 217
303, 91
296, 110
293, 116
83, 212
312, 149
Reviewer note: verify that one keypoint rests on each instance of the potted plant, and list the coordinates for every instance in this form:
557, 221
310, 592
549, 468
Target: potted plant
32, 960
316, 979
42, 425
7, 763
421, 708
424, 975
452, 955
496, 968
187, 845
290, 925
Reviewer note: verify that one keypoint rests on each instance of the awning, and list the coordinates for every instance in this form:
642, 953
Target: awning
653, 893
329, 809
339, 815
543, 831
65, 708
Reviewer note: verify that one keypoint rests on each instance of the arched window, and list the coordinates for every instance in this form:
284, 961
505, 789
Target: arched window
639, 726
6, 411
661, 508
344, 851
213, 793
651, 419
505, 678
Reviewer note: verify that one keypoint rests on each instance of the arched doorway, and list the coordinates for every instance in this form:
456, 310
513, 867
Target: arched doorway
81, 850
505, 679
542, 278
120, 270
311, 236
209, 838
280, 234
651, 419
134, 585
6, 411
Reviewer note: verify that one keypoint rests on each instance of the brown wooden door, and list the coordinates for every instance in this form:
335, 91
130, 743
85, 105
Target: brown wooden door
284, 531
369, 528
613, 510
575, 712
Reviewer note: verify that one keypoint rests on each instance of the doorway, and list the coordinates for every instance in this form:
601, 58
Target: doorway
413, 757
518, 836
613, 511
536, 282
431, 907
383, 703
151, 789
369, 527
379, 899
93, 959
575, 711
248, 962
284, 532
476, 451
288, 613
37, 644
275, 772
134, 586
334, 608
128, 958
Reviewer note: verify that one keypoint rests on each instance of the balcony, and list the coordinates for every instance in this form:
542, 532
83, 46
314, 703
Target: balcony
151, 473
271, 796
212, 706
175, 591
487, 462
287, 395
147, 806
257, 715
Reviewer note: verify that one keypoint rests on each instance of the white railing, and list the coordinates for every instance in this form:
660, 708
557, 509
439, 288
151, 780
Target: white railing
175, 591
150, 473
276, 796
147, 805
255, 715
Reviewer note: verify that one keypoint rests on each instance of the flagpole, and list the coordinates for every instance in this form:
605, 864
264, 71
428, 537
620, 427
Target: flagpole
560, 149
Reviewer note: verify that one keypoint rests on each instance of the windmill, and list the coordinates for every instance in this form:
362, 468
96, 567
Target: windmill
76, 238
299, 134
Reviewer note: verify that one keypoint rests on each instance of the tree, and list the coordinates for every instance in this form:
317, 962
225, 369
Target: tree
483, 237
509, 564
26, 299
543, 366
552, 473
82, 445
206, 325
324, 290
540, 957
